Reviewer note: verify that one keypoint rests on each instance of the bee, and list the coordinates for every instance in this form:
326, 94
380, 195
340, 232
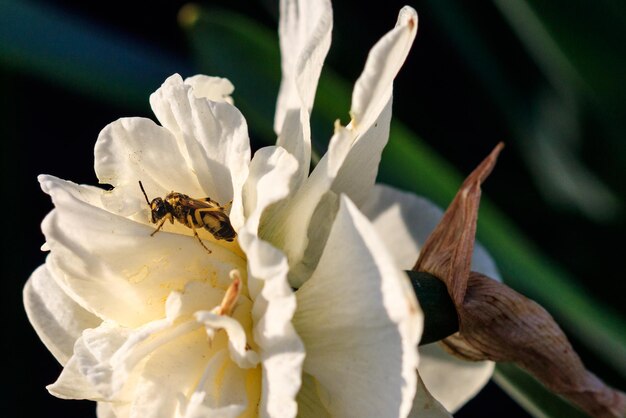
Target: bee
193, 213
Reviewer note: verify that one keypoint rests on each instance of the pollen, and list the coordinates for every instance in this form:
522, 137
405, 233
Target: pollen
231, 296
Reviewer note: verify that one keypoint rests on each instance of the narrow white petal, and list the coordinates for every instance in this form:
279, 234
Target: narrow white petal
213, 138
91, 260
274, 305
360, 323
217, 89
295, 137
305, 33
450, 380
374, 87
359, 167
57, 318
237, 343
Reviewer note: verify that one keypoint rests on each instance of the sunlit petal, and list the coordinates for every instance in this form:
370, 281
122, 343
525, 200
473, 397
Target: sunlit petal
57, 318
358, 313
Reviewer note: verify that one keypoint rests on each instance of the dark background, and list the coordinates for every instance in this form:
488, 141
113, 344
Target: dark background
48, 127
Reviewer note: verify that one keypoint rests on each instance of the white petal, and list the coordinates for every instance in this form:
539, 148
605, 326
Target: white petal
450, 380
271, 173
73, 384
280, 347
112, 359
305, 33
111, 265
309, 403
371, 110
360, 323
404, 220
288, 228
213, 138
217, 89
57, 319
359, 167
170, 374
130, 150
234, 395
105, 410
374, 87
295, 137
245, 359
425, 405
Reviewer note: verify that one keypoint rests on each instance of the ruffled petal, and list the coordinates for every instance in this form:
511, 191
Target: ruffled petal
450, 380
171, 374
282, 352
271, 173
213, 138
57, 318
91, 264
73, 384
130, 150
305, 33
216, 89
281, 349
360, 323
288, 227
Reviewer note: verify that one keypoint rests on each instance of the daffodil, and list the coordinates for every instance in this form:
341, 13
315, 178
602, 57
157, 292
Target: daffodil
307, 312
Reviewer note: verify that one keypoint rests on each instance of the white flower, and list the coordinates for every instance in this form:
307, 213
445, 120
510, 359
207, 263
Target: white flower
155, 326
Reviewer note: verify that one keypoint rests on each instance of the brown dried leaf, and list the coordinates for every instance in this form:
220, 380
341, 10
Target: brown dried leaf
506, 326
497, 323
447, 253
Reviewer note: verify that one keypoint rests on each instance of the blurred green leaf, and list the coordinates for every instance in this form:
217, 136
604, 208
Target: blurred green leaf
532, 395
579, 45
49, 44
542, 111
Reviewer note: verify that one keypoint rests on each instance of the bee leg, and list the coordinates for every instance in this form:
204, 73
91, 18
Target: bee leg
228, 206
195, 233
159, 226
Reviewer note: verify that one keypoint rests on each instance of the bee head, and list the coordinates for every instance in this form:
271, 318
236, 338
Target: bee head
159, 209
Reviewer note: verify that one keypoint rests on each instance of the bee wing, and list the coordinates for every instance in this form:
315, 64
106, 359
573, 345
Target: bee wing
198, 203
